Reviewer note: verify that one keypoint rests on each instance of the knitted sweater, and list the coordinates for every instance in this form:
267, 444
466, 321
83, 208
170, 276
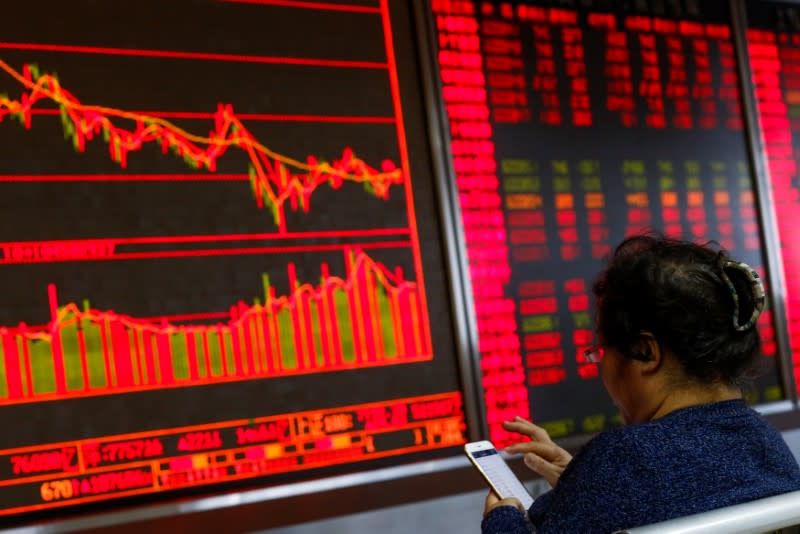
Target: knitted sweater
692, 460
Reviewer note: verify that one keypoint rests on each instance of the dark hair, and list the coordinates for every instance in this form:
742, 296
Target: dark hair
678, 291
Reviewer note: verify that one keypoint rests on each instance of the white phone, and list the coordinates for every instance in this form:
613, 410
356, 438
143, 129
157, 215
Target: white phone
496, 472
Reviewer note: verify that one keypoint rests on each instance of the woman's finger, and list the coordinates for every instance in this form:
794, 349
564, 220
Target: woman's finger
491, 500
547, 470
549, 451
525, 427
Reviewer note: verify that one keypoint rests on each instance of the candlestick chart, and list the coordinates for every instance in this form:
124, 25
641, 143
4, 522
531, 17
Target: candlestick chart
153, 161
363, 320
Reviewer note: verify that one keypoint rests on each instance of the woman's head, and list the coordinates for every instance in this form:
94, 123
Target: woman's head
689, 299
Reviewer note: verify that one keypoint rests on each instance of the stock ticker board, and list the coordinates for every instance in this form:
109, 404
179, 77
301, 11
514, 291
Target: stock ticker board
773, 37
220, 249
572, 125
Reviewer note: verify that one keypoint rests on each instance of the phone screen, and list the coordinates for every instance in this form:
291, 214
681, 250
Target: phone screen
500, 476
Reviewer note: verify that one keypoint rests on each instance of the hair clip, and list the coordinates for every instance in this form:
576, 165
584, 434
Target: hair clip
757, 289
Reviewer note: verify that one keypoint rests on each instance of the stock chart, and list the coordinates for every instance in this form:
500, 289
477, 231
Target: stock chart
220, 255
573, 125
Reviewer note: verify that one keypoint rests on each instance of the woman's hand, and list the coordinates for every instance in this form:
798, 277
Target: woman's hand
541, 455
493, 501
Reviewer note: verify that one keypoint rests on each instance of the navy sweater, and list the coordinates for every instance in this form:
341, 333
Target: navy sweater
690, 461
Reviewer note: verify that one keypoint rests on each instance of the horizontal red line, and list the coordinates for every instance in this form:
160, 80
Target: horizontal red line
256, 250
246, 237
220, 237
309, 5
246, 116
194, 55
220, 252
124, 178
186, 317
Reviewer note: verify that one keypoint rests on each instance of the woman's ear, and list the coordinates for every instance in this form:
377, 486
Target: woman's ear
648, 353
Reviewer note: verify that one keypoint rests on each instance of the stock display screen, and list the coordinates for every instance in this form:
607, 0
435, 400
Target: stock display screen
773, 38
574, 124
220, 254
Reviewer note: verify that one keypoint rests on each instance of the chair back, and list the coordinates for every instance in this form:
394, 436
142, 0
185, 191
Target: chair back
779, 513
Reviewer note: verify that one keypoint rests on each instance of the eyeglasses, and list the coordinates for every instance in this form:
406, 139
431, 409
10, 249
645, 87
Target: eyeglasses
593, 354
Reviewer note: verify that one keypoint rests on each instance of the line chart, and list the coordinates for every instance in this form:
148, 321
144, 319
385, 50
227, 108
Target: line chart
271, 178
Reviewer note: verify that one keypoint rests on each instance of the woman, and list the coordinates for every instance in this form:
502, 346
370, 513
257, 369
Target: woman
676, 323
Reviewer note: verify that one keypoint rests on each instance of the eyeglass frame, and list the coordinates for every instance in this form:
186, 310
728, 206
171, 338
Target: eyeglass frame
593, 354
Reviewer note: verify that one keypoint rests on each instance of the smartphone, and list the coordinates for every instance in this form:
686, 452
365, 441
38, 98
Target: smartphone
496, 472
